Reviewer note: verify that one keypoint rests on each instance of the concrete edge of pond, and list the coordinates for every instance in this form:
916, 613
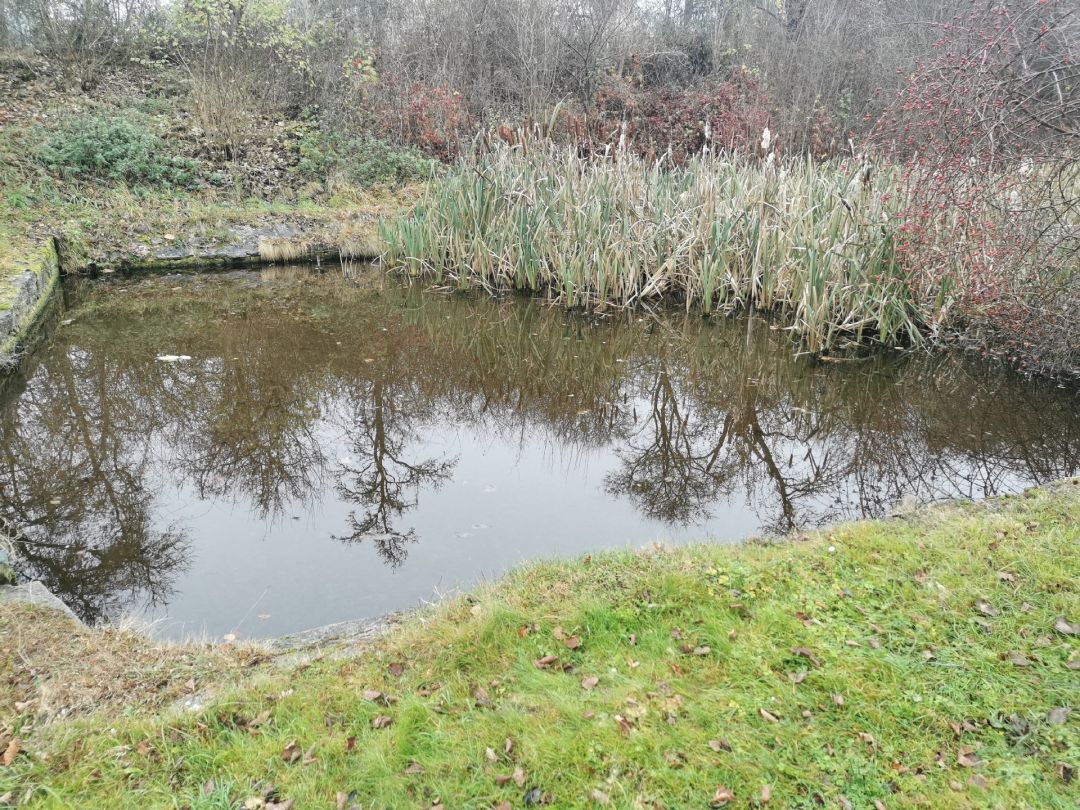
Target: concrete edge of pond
35, 292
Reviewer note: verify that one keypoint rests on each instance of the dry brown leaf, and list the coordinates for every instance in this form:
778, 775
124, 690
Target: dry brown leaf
720, 745
396, 669
985, 608
702, 650
798, 677
967, 758
1019, 660
1058, 716
766, 794
545, 662
12, 751
381, 721
309, 756
573, 642
590, 682
772, 718
414, 769
519, 777
599, 797
722, 796
838, 699
1065, 627
291, 752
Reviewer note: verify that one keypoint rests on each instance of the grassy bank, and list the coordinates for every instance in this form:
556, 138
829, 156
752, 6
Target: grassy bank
929, 662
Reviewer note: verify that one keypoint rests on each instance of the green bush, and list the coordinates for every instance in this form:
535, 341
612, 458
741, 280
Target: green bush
118, 148
365, 160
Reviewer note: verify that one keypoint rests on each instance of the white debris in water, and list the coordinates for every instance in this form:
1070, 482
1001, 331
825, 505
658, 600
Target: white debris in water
173, 358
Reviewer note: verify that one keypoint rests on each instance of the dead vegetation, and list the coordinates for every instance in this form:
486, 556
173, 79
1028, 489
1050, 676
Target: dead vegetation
52, 668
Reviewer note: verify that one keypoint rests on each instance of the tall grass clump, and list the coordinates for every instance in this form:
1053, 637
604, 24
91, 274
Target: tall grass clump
807, 240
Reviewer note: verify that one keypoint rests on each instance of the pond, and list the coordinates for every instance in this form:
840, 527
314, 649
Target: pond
256, 453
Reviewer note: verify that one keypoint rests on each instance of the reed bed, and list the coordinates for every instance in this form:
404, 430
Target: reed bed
804, 239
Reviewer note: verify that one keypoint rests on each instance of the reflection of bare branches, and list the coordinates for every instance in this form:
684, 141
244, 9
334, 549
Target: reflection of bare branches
380, 479
678, 473
74, 485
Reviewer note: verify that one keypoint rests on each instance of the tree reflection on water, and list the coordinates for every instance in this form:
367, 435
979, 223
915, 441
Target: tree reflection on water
337, 391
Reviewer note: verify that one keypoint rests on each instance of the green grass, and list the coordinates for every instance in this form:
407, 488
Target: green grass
691, 648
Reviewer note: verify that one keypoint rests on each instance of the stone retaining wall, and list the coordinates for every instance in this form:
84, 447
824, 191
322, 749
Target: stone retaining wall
35, 293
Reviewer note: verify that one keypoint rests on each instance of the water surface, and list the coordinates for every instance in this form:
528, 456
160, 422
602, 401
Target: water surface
338, 449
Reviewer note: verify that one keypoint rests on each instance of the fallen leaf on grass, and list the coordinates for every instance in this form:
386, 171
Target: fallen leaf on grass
480, 695
260, 719
720, 745
868, 739
504, 806
766, 794
1058, 716
985, 608
291, 752
396, 669
722, 796
1005, 576
979, 781
703, 650
599, 797
545, 662
772, 718
1065, 627
350, 744
573, 642
798, 677
838, 699
519, 777
12, 751
381, 721
309, 756
1019, 660
414, 769
967, 758
589, 683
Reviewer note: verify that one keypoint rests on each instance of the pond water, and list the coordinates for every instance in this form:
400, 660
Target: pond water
338, 449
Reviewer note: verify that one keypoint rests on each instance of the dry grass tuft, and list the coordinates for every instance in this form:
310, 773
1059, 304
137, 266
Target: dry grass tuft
53, 668
282, 249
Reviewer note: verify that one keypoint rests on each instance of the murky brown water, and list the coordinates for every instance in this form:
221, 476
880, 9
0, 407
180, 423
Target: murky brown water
337, 450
